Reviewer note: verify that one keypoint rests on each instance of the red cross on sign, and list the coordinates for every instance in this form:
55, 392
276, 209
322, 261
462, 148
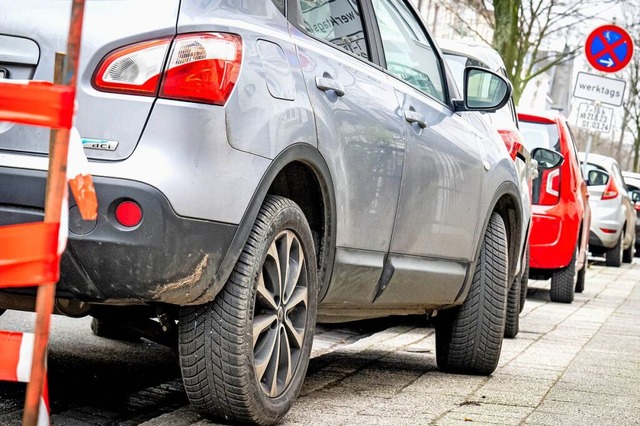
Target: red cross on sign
609, 48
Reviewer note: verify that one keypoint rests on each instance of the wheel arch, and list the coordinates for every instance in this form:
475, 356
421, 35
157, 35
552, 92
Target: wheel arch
509, 209
301, 174
505, 202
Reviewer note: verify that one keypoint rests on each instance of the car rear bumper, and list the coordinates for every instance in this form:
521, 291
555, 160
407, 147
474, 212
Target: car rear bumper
166, 258
553, 240
605, 230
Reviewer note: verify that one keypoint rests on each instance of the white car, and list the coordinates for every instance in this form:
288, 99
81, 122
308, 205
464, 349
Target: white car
632, 182
458, 56
613, 218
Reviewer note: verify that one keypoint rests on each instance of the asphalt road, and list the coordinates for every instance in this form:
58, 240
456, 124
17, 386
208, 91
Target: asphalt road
570, 364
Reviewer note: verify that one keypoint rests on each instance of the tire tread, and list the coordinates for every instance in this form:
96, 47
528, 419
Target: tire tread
469, 340
211, 338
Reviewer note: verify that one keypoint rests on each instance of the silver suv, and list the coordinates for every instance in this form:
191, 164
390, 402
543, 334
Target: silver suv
260, 165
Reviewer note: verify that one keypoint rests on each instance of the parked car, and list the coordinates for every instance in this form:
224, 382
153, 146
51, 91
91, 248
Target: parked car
260, 166
561, 215
613, 220
632, 182
459, 56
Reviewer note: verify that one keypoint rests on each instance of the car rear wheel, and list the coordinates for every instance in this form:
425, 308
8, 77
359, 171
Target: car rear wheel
580, 280
627, 254
469, 337
524, 285
244, 355
512, 322
113, 330
563, 281
613, 257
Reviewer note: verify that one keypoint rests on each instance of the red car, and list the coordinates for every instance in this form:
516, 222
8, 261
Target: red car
560, 207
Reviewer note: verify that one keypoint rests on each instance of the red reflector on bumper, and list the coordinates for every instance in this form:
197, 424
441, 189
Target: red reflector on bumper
129, 214
608, 231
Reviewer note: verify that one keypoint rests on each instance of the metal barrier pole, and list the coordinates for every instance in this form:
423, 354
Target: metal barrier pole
56, 186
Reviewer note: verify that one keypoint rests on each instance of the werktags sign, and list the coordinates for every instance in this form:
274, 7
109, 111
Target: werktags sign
599, 89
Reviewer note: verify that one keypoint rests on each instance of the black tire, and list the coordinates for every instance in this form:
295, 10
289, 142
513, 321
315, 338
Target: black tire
613, 257
581, 278
563, 281
235, 350
512, 322
113, 330
524, 284
627, 254
469, 337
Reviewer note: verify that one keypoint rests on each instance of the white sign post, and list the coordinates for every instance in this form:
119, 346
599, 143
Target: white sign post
599, 89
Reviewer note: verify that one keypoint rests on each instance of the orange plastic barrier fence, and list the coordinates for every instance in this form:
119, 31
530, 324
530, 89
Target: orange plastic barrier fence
28, 254
37, 103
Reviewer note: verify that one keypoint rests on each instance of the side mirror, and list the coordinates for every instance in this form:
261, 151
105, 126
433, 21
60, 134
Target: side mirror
597, 177
484, 90
634, 195
546, 158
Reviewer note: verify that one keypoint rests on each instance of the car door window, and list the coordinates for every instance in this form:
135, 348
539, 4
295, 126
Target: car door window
574, 148
280, 4
457, 64
618, 175
409, 54
336, 21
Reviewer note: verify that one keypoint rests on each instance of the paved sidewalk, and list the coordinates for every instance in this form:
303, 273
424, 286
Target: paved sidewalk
576, 364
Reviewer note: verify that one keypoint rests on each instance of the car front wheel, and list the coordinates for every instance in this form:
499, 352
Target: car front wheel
469, 337
244, 355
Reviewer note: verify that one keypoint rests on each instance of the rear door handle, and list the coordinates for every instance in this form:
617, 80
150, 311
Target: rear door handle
415, 117
326, 84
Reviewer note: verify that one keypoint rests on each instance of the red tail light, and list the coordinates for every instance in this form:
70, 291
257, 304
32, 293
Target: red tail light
512, 140
201, 67
611, 191
550, 188
636, 206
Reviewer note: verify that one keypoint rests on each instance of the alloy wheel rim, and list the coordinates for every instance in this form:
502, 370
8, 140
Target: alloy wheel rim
280, 314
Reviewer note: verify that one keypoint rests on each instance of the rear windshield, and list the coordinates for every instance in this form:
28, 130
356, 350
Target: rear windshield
540, 135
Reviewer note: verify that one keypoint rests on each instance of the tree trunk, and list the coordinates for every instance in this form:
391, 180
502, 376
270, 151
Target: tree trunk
505, 34
625, 121
636, 149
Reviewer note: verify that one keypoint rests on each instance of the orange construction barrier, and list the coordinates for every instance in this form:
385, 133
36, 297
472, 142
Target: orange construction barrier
15, 366
30, 253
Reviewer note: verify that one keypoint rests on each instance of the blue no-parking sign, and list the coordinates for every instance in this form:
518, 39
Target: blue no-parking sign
609, 48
